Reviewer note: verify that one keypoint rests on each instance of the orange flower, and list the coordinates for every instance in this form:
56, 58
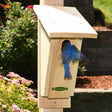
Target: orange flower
7, 6
1, 5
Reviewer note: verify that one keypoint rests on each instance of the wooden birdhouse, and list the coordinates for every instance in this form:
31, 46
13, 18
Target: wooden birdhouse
55, 26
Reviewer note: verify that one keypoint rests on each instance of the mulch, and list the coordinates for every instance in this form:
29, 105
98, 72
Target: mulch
97, 82
101, 28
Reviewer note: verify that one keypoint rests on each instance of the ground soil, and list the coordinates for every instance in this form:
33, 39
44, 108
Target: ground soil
104, 82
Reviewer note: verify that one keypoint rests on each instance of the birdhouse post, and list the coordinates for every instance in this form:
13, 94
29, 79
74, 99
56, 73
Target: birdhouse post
58, 25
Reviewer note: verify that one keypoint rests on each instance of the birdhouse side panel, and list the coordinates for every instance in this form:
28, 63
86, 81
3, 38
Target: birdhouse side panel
45, 45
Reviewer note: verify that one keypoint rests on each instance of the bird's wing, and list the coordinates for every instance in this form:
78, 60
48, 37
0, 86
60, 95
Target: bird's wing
65, 56
76, 54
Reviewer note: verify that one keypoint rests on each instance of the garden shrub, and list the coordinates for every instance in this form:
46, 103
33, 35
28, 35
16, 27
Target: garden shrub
18, 40
15, 96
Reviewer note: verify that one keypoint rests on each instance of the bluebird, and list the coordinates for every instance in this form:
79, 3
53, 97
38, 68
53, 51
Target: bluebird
69, 53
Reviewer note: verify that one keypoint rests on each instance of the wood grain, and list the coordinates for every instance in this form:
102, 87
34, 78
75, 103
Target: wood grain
64, 22
52, 2
46, 52
50, 110
57, 76
44, 102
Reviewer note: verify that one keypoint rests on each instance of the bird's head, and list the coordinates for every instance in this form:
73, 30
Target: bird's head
65, 42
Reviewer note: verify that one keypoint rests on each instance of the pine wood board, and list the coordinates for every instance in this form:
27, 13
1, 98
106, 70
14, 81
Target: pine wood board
50, 110
64, 22
57, 75
44, 102
46, 52
52, 2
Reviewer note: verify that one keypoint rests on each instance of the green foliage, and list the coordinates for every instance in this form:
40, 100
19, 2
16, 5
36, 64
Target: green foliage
105, 7
81, 69
15, 96
18, 40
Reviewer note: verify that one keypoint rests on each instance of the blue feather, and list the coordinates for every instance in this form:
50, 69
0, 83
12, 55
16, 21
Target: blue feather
69, 52
67, 71
76, 54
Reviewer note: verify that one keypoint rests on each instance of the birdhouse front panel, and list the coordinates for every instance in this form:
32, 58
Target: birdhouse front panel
63, 75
